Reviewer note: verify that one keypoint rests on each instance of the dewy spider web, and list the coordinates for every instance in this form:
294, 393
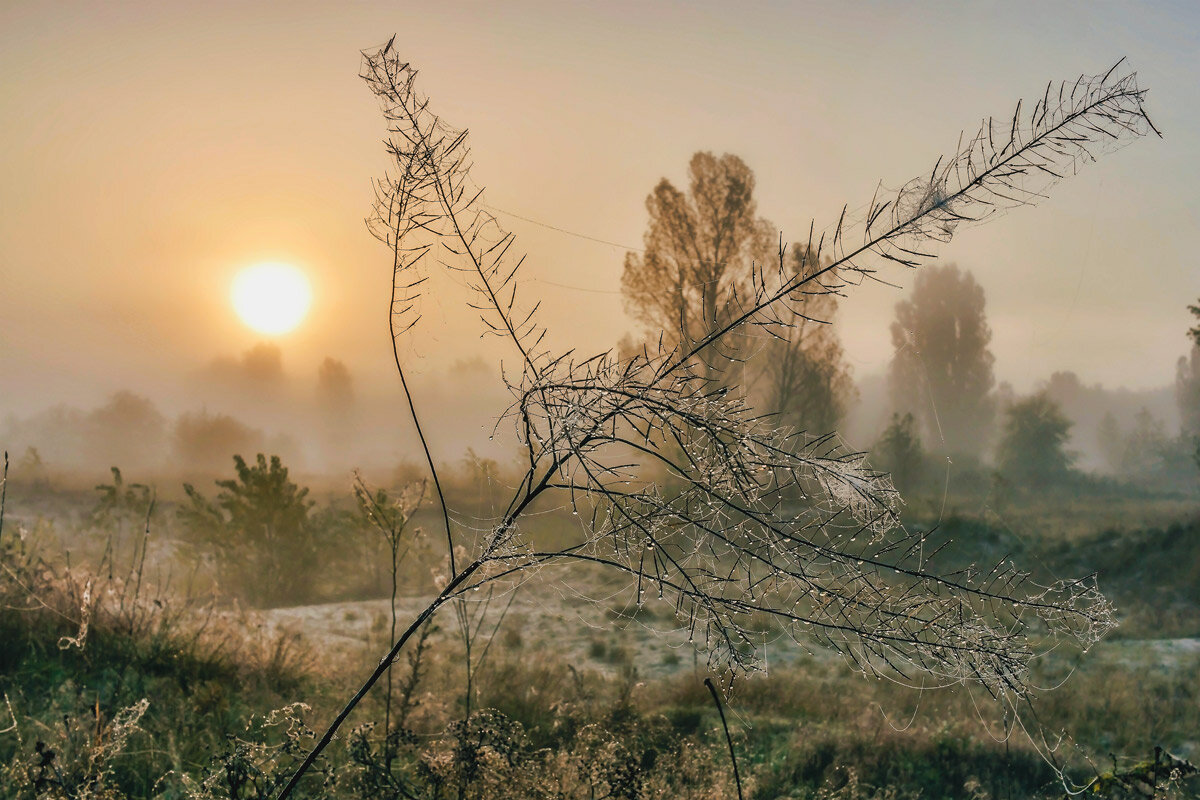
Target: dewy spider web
683, 487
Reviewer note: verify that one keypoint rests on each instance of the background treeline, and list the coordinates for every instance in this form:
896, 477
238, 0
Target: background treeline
940, 403
941, 400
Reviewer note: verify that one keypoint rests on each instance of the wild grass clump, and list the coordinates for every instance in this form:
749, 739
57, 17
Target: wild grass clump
263, 541
111, 683
113, 688
174, 702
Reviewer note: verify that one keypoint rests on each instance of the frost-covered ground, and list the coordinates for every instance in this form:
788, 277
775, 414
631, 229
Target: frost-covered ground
601, 634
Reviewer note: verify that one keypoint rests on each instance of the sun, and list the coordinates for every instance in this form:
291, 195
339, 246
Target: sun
271, 298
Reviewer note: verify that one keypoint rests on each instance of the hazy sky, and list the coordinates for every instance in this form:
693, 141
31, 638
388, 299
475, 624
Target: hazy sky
151, 150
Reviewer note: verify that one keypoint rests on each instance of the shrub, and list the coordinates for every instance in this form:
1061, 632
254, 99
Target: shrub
1033, 450
259, 531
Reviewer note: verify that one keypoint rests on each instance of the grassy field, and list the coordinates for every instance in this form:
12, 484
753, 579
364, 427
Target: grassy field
123, 675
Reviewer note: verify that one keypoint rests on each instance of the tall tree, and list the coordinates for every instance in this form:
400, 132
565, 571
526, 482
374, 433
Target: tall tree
1111, 441
1187, 388
1187, 392
128, 430
1187, 383
335, 405
942, 368
1033, 448
204, 442
1147, 447
335, 387
700, 248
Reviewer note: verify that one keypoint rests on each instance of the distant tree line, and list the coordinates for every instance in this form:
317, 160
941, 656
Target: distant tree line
701, 248
128, 430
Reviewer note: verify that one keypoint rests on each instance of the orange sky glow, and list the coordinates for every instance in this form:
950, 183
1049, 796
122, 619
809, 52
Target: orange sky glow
151, 151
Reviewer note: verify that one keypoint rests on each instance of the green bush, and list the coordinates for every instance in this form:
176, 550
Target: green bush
259, 531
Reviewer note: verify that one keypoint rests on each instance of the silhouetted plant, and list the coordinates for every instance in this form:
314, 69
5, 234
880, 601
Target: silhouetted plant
942, 367
763, 520
119, 500
33, 469
1033, 450
899, 453
258, 527
390, 518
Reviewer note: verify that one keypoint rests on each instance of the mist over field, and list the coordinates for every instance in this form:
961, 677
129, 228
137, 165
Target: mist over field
187, 120
718, 401
326, 424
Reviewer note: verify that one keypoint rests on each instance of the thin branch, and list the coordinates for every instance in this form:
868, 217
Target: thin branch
3, 495
728, 739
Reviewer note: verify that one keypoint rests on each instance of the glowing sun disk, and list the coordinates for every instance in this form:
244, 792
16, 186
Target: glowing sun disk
271, 298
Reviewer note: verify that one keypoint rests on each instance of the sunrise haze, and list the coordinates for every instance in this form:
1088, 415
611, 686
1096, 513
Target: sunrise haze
152, 151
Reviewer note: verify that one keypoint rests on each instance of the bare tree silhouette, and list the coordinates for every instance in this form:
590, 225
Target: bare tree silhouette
701, 247
760, 519
942, 368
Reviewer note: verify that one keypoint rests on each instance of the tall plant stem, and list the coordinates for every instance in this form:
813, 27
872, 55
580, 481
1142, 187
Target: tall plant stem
729, 739
387, 713
452, 589
384, 665
437, 484
412, 413
3, 494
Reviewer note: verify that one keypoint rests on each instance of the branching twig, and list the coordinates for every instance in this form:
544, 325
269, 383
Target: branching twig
696, 496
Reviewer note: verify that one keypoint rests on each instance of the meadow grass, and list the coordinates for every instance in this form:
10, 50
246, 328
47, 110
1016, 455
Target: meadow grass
221, 695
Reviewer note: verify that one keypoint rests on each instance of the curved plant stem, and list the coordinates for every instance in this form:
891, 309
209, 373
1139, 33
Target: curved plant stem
3, 494
729, 739
384, 665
